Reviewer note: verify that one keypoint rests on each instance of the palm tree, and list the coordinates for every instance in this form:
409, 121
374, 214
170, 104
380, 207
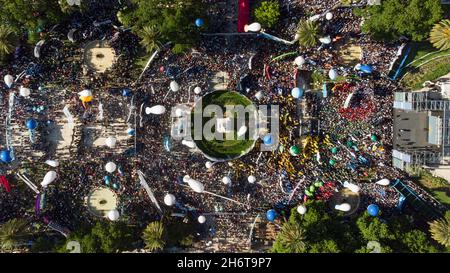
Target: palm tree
150, 36
12, 233
440, 35
8, 40
292, 237
308, 33
153, 236
440, 231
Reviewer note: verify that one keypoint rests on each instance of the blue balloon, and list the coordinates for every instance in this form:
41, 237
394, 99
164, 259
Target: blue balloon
271, 215
267, 140
130, 132
31, 124
373, 210
199, 22
5, 156
366, 68
126, 92
297, 92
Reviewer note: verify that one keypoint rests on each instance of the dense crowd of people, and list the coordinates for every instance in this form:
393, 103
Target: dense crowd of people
62, 75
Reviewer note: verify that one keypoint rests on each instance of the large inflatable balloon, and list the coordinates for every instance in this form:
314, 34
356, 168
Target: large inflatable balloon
373, 210
226, 180
31, 124
208, 164
169, 199
294, 150
242, 131
343, 207
196, 185
156, 110
199, 22
188, 143
201, 219
24, 92
197, 90
251, 179
9, 80
267, 140
383, 182
329, 16
354, 188
110, 167
113, 215
70, 35
110, 142
53, 163
255, 27
85, 95
174, 86
301, 209
271, 215
49, 177
5, 156
297, 92
332, 74
299, 61
259, 95
325, 40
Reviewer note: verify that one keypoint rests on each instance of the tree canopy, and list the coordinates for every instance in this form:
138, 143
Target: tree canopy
394, 18
173, 20
267, 13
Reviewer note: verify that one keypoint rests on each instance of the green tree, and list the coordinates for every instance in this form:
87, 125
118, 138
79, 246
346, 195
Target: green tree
308, 33
394, 18
174, 20
416, 241
291, 239
31, 15
440, 230
373, 229
12, 233
440, 35
150, 38
325, 246
153, 236
8, 41
267, 13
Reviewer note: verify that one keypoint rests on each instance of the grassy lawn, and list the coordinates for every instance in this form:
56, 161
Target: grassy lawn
438, 187
230, 147
424, 63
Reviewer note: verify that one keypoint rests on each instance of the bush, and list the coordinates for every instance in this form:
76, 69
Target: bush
267, 13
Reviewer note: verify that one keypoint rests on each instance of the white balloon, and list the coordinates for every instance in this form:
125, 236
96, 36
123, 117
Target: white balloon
332, 74
343, 207
299, 61
251, 179
110, 142
178, 112
70, 35
24, 92
8, 80
325, 40
71, 2
301, 209
242, 131
113, 215
352, 187
53, 163
196, 185
259, 95
201, 219
197, 90
383, 182
329, 16
110, 167
226, 180
49, 177
169, 199
85, 93
255, 27
188, 143
156, 110
186, 178
174, 86
208, 164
